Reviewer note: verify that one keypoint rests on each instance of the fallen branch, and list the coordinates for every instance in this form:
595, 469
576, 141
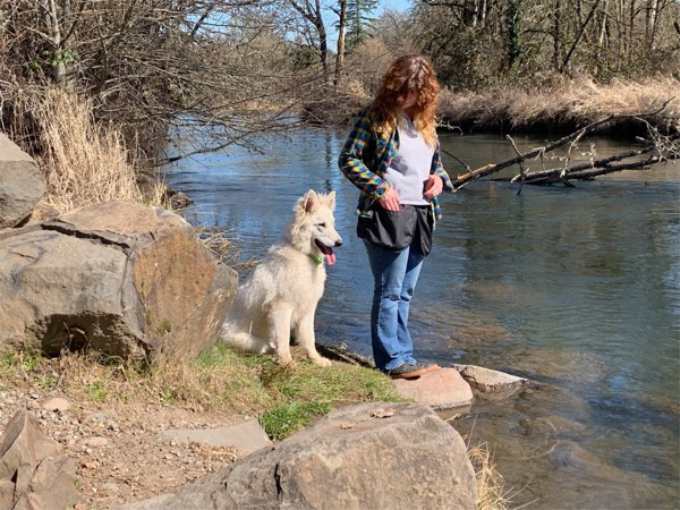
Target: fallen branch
538, 176
636, 165
492, 168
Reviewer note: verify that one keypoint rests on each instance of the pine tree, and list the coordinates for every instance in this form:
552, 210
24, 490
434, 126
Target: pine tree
359, 21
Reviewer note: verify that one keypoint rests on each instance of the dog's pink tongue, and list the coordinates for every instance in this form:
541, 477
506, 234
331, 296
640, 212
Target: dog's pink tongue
330, 259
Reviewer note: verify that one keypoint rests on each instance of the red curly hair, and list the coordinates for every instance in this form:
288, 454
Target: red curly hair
409, 74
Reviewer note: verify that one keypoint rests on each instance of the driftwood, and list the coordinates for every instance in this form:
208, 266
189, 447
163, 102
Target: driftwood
659, 147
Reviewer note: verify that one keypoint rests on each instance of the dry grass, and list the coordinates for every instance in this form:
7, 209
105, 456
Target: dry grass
83, 162
490, 484
575, 103
219, 380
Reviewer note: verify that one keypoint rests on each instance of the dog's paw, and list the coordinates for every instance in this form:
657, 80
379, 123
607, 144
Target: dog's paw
321, 361
286, 362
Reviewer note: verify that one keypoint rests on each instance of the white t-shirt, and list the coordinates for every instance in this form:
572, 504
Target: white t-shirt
409, 170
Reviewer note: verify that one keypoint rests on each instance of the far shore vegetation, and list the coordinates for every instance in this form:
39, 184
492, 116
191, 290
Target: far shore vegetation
133, 73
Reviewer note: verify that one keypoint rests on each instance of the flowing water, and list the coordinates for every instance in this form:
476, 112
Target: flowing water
575, 288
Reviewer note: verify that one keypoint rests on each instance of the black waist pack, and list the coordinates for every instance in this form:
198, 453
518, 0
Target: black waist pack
395, 231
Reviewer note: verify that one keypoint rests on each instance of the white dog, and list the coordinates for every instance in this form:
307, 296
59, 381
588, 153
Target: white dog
284, 289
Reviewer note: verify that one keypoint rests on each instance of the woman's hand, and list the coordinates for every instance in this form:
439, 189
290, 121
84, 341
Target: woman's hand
390, 200
434, 187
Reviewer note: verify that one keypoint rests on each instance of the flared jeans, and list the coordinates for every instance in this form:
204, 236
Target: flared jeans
395, 276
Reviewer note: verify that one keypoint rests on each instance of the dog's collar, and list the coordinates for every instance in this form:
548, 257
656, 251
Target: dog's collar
315, 258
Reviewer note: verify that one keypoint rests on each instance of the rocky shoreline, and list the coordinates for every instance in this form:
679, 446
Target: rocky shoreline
133, 282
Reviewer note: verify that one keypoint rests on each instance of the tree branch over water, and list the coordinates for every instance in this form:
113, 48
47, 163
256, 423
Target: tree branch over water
663, 147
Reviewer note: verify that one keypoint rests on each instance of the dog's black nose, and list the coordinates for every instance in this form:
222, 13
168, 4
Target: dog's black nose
338, 243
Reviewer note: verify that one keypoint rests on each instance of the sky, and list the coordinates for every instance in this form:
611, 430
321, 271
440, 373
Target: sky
399, 5
330, 18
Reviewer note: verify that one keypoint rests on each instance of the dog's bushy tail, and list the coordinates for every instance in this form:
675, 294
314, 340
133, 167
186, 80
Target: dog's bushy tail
242, 340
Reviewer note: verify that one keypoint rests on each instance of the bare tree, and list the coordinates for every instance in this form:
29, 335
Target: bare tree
339, 61
312, 13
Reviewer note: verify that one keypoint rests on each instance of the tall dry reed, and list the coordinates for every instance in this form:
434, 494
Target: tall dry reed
84, 162
578, 102
491, 491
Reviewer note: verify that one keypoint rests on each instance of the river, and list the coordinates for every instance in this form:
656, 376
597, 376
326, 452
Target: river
575, 288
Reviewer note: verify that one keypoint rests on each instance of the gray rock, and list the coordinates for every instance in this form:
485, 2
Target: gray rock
486, 380
248, 437
21, 184
43, 477
441, 389
54, 482
349, 460
121, 278
24, 445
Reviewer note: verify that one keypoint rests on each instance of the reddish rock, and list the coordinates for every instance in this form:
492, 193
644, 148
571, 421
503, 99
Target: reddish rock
441, 389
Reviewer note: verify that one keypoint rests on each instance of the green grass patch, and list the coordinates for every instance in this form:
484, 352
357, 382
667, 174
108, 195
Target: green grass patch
97, 391
293, 397
286, 419
219, 379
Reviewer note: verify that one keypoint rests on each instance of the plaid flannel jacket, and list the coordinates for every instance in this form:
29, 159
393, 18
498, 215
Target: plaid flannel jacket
367, 155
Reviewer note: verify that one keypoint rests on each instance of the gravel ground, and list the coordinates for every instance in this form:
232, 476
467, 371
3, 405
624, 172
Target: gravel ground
119, 454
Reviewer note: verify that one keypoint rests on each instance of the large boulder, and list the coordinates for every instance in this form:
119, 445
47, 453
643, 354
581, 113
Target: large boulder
375, 455
122, 278
35, 474
21, 184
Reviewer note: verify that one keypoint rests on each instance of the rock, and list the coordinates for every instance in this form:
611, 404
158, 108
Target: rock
96, 441
21, 184
118, 277
441, 389
57, 404
490, 381
6, 494
24, 445
248, 437
42, 476
552, 426
178, 199
412, 460
54, 482
42, 212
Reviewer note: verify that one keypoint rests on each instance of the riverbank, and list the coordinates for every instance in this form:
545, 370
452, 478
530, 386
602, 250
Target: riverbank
111, 416
565, 107
127, 408
560, 107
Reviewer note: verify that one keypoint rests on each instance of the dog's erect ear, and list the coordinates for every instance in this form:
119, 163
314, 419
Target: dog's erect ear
331, 200
308, 202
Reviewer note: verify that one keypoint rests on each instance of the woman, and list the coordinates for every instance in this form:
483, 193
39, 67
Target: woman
392, 156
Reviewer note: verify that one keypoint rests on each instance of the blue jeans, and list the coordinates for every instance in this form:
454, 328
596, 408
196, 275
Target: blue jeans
395, 276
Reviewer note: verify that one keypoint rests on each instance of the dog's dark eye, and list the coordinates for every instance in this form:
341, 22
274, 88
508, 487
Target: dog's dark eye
322, 225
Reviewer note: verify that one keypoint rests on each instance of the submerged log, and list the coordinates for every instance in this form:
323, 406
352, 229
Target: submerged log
662, 148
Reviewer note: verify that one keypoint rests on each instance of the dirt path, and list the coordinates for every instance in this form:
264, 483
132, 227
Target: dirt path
119, 454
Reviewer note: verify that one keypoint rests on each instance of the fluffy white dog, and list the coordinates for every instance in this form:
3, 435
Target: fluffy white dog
283, 291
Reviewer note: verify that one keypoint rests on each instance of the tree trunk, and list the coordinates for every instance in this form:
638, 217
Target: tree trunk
340, 58
323, 42
557, 21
